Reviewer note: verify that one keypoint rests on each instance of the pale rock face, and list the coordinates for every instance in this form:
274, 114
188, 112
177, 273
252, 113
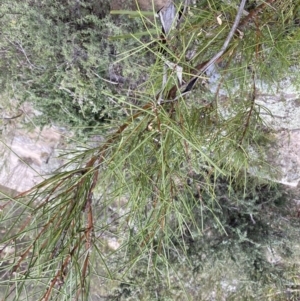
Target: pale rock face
283, 102
27, 156
284, 154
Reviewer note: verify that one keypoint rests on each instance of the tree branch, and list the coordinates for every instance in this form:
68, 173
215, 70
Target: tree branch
189, 86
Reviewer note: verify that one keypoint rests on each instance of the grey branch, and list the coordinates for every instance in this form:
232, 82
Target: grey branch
188, 87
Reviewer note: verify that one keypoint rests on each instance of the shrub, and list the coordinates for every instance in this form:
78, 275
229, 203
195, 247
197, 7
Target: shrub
171, 183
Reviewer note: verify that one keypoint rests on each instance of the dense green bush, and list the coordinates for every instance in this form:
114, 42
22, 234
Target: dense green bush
56, 55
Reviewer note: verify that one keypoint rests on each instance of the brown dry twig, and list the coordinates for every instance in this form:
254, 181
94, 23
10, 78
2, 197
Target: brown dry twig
254, 13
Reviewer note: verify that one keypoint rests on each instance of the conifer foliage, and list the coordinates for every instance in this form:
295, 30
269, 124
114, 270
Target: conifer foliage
169, 205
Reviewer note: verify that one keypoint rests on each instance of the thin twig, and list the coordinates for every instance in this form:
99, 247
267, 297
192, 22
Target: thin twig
253, 13
60, 272
20, 113
183, 12
189, 86
253, 95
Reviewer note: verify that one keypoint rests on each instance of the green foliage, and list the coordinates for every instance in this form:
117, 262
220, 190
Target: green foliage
170, 185
254, 260
56, 55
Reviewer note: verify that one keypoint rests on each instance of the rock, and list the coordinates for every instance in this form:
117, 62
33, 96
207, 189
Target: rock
283, 102
28, 157
284, 154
